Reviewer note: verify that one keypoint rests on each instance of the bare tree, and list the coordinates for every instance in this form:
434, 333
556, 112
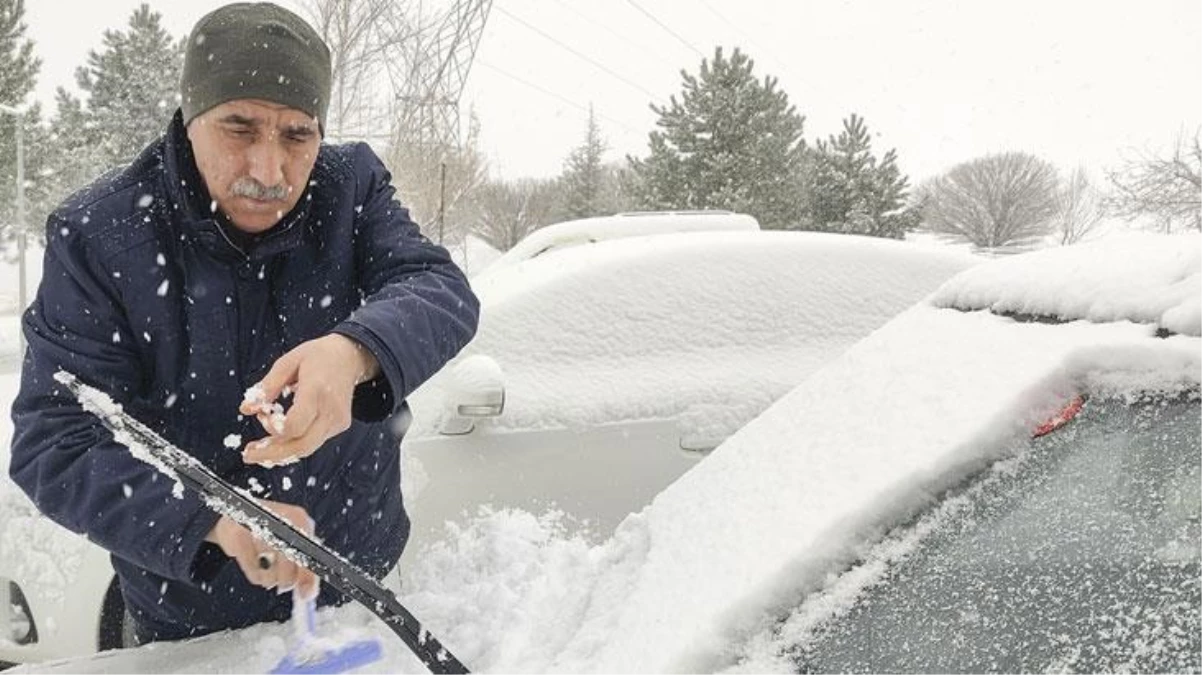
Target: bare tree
363, 35
1169, 190
506, 212
392, 66
995, 201
434, 181
1080, 208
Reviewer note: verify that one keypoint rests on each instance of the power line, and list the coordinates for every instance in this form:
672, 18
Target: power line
744, 33
654, 97
619, 35
669, 30
556, 96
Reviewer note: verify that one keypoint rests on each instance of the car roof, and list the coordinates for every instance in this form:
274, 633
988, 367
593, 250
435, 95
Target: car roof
571, 233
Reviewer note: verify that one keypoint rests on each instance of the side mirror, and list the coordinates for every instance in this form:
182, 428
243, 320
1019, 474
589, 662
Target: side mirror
475, 390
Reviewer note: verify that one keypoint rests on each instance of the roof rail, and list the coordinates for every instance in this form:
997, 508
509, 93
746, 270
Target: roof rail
702, 212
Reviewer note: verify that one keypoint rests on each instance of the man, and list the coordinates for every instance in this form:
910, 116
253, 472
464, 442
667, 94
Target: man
235, 254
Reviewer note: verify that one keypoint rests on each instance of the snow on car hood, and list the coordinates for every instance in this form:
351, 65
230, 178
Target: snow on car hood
1146, 278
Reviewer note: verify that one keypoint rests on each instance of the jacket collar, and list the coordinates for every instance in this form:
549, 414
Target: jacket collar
199, 212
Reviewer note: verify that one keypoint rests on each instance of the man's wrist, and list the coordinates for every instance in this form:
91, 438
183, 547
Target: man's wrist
367, 367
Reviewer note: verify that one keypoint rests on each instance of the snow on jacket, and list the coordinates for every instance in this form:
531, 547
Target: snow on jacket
145, 296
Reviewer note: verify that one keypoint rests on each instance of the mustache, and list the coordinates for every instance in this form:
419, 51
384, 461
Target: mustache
249, 187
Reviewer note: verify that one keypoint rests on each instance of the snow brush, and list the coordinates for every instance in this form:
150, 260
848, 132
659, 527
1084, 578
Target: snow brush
297, 545
312, 655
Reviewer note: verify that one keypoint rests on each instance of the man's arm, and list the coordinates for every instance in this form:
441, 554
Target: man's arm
62, 457
419, 312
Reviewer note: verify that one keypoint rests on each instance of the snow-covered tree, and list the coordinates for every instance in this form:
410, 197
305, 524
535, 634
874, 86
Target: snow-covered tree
505, 212
1080, 208
437, 197
850, 191
363, 35
584, 174
729, 142
995, 201
18, 76
18, 66
1166, 189
132, 87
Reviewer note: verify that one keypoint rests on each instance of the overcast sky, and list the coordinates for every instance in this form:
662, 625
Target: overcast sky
942, 81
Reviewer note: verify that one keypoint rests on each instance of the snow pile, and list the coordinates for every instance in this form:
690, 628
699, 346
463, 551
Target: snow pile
1146, 278
473, 255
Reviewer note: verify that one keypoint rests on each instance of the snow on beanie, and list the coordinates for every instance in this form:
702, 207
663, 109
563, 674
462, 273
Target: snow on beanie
255, 50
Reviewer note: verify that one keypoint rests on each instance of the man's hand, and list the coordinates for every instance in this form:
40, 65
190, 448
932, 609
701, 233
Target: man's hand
261, 564
322, 375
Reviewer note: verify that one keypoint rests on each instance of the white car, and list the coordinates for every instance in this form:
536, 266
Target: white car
599, 375
58, 595
1003, 478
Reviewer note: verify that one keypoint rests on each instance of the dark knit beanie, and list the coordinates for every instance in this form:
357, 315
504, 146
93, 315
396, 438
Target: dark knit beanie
255, 50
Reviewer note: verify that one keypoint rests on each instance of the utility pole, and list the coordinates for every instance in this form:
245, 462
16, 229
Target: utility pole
22, 237
442, 200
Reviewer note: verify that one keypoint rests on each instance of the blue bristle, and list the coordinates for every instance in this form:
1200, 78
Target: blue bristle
340, 660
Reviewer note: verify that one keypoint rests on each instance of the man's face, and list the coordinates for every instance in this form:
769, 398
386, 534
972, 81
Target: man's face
255, 158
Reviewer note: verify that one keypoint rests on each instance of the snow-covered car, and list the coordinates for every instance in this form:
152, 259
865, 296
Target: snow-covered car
602, 372
57, 591
926, 502
1003, 478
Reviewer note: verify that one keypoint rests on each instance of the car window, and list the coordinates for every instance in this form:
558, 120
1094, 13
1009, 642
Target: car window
1082, 554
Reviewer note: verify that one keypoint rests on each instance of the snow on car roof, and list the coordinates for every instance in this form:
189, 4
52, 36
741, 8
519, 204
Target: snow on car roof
559, 236
624, 316
1144, 278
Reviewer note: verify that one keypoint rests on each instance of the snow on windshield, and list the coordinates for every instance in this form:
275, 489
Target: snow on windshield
1052, 561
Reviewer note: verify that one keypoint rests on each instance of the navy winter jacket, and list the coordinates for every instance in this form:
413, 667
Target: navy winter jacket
145, 296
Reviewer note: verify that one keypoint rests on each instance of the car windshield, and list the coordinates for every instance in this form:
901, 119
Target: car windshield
1080, 554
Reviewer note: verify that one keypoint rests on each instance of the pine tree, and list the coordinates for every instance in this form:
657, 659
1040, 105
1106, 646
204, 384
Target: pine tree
584, 175
729, 142
18, 67
132, 86
850, 192
18, 76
